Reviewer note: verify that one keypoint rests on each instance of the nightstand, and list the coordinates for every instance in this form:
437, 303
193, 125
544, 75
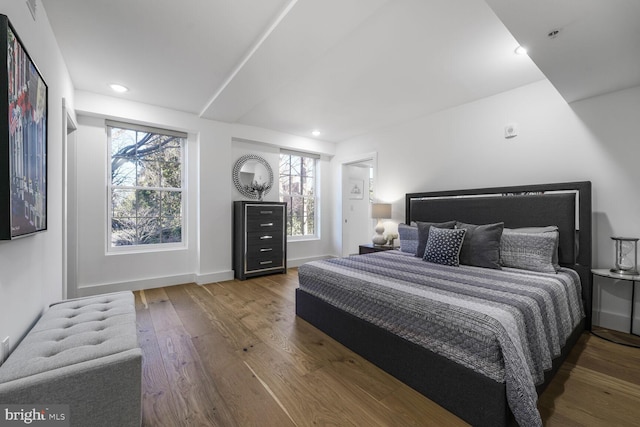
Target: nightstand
370, 248
628, 279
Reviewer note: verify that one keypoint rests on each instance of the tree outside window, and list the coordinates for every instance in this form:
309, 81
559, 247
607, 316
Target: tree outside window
146, 186
298, 189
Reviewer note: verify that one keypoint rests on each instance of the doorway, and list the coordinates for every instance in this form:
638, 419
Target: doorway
358, 181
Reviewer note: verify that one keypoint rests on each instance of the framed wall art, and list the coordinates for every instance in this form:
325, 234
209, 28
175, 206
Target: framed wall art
356, 189
23, 139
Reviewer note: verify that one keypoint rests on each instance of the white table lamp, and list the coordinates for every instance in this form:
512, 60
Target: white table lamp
380, 211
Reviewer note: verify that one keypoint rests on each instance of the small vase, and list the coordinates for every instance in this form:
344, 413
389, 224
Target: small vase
260, 195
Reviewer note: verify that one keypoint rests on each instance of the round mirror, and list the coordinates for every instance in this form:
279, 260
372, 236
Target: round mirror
252, 176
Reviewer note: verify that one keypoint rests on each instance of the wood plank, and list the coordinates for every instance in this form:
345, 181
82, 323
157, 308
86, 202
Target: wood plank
251, 403
158, 404
197, 395
163, 314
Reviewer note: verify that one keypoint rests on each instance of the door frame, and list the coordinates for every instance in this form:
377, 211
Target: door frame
69, 215
348, 161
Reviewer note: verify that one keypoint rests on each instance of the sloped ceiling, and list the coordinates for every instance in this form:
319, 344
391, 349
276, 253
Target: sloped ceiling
345, 67
584, 47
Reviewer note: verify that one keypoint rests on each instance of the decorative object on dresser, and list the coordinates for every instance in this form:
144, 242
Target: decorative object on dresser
253, 177
260, 241
380, 211
626, 256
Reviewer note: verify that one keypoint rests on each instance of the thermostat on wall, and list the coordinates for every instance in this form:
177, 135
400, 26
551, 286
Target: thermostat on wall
511, 130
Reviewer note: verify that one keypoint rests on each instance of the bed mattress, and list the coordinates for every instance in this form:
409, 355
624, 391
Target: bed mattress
506, 324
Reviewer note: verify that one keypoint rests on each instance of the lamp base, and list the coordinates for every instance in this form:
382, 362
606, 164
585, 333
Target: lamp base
379, 240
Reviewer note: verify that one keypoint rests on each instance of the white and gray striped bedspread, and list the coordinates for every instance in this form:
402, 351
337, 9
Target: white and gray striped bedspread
505, 324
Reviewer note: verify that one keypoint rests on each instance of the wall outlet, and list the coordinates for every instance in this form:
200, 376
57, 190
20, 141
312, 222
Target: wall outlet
4, 349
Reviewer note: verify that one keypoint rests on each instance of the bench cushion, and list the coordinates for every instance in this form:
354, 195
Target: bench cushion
75, 331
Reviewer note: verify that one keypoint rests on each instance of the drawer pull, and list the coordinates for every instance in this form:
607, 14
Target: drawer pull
266, 262
266, 237
266, 249
266, 212
268, 224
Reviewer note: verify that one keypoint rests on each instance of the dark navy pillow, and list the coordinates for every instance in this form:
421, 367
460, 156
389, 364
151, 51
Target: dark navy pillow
443, 246
423, 233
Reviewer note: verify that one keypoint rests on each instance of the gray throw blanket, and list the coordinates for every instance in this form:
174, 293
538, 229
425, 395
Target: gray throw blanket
505, 324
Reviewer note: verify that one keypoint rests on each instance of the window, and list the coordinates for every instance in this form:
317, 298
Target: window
298, 187
146, 186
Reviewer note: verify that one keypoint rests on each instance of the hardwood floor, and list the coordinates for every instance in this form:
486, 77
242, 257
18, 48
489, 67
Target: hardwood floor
235, 354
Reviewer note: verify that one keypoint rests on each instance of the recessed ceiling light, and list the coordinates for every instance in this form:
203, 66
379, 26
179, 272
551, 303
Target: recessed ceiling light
520, 51
118, 88
315, 133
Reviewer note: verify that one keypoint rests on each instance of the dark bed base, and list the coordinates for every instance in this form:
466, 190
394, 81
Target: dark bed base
475, 398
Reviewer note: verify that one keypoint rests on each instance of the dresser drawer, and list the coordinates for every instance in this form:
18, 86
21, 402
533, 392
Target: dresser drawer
264, 224
265, 260
257, 213
264, 238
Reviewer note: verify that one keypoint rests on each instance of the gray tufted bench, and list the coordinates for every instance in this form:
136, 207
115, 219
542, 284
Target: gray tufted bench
83, 353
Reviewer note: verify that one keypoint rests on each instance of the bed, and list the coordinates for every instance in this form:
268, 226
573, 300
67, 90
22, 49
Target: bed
334, 296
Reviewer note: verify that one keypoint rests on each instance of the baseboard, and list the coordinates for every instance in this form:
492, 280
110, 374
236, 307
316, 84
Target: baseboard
134, 285
297, 262
221, 276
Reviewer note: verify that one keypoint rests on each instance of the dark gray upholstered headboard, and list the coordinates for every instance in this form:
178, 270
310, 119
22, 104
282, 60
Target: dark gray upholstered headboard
521, 206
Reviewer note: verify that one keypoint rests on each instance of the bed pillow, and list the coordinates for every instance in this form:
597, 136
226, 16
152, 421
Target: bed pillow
529, 250
547, 229
481, 245
408, 238
423, 233
443, 246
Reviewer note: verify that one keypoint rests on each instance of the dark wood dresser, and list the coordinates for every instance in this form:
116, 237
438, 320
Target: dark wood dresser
260, 240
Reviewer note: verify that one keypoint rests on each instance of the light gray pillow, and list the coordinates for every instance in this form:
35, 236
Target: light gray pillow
408, 238
529, 251
546, 229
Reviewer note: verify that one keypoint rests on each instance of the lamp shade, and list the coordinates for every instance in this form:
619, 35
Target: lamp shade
381, 210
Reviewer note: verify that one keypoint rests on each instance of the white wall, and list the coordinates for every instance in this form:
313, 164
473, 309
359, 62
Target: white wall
464, 147
211, 154
31, 267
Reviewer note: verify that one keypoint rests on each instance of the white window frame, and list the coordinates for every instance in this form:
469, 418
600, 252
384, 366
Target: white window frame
155, 247
316, 203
